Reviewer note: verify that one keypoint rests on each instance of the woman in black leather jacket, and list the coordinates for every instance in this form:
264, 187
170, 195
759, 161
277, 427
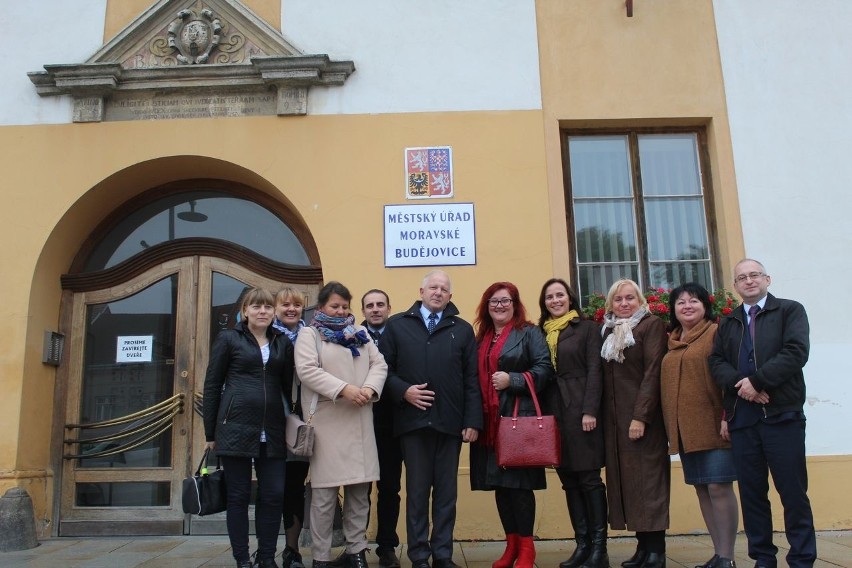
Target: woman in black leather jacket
250, 370
508, 346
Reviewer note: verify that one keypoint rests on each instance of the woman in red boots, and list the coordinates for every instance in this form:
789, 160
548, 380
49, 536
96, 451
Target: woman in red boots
508, 346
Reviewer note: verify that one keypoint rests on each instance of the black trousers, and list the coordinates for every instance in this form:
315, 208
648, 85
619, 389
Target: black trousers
579, 480
779, 449
387, 489
431, 468
294, 492
270, 502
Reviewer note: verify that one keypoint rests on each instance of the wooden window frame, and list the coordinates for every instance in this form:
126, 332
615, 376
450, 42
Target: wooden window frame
637, 195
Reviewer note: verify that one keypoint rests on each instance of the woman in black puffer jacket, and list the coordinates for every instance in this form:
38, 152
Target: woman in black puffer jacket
250, 369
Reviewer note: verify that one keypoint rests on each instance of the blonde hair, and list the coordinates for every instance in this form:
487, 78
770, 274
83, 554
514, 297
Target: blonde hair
290, 293
613, 290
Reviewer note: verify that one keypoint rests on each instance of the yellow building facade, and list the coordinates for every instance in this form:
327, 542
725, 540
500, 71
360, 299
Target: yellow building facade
327, 176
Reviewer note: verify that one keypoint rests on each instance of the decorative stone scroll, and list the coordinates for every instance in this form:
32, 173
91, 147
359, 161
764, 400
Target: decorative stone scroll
192, 59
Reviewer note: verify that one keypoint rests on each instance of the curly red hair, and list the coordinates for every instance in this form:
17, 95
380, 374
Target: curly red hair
483, 321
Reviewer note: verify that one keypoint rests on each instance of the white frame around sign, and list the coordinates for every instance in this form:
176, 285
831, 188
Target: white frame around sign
430, 234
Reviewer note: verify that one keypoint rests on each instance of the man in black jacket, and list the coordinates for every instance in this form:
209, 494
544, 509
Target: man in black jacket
757, 358
432, 382
375, 304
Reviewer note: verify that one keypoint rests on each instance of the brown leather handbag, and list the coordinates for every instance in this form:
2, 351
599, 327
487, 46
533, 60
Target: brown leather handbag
528, 441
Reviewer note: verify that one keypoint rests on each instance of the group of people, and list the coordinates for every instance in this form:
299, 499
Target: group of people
412, 388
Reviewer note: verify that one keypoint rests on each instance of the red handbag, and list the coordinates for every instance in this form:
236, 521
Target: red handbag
528, 441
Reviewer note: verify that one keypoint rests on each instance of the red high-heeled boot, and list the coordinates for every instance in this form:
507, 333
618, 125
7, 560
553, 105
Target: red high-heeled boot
510, 554
526, 552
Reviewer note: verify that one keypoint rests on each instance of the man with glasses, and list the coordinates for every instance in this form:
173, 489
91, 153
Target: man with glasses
757, 358
433, 385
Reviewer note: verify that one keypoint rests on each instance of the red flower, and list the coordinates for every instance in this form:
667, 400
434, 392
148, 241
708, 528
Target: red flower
726, 311
653, 298
730, 302
712, 299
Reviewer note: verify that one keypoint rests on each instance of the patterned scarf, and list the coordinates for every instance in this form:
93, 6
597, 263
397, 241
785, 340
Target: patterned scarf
622, 334
489, 353
341, 331
291, 335
552, 327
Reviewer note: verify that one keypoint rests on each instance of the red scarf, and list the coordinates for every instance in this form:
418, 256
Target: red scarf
489, 353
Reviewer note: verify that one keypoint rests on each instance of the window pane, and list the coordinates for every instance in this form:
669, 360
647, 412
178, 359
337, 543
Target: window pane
669, 164
600, 278
600, 166
676, 229
207, 214
673, 274
113, 387
606, 230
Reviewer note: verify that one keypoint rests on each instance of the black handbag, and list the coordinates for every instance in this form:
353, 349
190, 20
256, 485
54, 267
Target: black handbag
204, 493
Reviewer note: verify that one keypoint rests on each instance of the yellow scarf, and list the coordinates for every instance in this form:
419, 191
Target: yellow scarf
552, 327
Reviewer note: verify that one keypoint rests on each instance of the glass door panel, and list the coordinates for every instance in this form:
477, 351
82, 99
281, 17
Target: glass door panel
129, 368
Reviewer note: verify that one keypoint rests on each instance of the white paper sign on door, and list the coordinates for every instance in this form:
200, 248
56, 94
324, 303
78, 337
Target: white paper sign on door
134, 349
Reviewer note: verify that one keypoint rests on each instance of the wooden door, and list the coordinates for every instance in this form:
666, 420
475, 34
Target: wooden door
137, 357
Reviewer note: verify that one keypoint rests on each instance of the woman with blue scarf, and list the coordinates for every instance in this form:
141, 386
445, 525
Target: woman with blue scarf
342, 374
289, 305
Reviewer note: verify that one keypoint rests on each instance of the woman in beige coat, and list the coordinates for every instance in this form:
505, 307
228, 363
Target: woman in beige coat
345, 378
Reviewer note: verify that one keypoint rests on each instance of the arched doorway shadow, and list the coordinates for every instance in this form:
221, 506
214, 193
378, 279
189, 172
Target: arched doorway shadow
174, 290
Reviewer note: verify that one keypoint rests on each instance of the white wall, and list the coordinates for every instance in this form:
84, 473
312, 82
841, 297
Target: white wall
440, 55
787, 66
39, 33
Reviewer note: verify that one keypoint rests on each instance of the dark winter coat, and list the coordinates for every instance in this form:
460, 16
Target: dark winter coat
781, 350
446, 360
577, 390
242, 396
638, 475
524, 350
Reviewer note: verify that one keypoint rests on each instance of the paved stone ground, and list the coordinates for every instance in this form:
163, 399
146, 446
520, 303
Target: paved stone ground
835, 549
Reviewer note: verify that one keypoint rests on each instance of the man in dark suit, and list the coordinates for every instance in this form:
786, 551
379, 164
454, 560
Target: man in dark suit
376, 307
758, 355
433, 385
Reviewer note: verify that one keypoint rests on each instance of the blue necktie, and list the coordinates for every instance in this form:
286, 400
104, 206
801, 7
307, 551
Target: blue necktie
752, 312
433, 321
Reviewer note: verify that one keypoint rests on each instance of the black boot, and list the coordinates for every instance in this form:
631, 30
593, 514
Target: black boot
358, 560
637, 560
655, 560
597, 508
579, 516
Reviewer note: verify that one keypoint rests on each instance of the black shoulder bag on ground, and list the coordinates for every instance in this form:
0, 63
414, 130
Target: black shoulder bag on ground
204, 493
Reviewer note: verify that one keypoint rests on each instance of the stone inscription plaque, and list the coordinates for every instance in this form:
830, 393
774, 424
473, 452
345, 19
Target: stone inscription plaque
189, 105
88, 109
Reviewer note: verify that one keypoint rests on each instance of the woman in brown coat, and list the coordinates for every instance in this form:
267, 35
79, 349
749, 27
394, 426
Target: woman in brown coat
575, 399
692, 409
638, 477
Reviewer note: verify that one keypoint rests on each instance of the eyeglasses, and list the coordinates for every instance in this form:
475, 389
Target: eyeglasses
494, 302
749, 276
